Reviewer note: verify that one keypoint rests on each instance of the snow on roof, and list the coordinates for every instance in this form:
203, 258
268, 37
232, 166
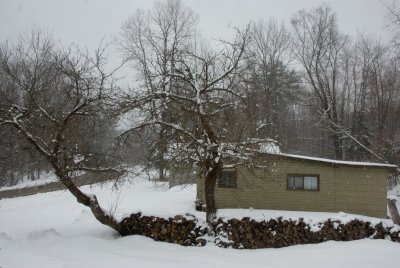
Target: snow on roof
270, 146
338, 162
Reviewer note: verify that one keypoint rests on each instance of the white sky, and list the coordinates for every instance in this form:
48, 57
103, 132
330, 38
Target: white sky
85, 22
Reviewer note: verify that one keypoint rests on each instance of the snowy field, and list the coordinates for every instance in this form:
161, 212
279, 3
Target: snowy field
53, 230
45, 177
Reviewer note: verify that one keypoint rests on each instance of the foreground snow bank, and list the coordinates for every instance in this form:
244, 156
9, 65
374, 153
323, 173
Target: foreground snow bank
52, 230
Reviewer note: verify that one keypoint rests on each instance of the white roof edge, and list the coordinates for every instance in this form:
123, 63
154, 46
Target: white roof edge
340, 162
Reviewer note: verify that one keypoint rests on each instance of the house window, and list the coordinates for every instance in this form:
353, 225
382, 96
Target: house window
303, 182
227, 179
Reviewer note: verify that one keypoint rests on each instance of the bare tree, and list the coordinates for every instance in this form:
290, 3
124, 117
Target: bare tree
384, 99
153, 41
270, 81
393, 19
319, 47
392, 146
47, 96
206, 90
373, 94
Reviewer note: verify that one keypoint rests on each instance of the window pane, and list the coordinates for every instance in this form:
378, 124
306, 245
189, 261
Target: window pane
227, 179
310, 183
291, 182
295, 182
298, 184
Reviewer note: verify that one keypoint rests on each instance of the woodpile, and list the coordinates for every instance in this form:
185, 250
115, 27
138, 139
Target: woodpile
177, 230
248, 233
275, 233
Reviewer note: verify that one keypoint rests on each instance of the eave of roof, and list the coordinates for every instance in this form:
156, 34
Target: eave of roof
337, 162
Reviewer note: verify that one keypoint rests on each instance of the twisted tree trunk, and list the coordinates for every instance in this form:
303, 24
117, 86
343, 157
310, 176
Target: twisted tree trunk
90, 201
209, 185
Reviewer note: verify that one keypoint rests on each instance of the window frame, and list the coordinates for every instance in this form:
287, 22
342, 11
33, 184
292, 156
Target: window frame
219, 185
303, 176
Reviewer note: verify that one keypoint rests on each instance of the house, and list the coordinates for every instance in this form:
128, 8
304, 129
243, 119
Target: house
301, 183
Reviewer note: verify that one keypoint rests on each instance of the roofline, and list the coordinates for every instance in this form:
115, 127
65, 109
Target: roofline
337, 162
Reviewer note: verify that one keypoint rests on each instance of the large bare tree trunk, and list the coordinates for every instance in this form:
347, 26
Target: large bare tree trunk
337, 146
210, 182
394, 213
91, 201
162, 149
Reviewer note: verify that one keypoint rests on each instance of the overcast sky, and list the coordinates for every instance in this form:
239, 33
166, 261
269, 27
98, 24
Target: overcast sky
85, 22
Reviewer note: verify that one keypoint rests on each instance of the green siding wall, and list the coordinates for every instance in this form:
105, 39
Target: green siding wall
361, 190
342, 188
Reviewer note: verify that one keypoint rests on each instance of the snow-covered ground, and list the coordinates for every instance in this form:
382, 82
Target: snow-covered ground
395, 192
53, 230
45, 177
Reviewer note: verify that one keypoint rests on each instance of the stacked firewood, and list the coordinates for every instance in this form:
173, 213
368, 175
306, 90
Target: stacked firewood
251, 234
177, 230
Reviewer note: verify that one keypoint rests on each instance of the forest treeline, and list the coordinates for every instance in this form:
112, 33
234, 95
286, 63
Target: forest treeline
304, 85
